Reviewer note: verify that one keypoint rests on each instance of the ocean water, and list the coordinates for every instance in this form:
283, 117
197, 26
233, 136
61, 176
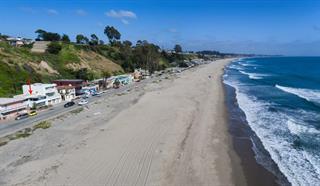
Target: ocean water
280, 97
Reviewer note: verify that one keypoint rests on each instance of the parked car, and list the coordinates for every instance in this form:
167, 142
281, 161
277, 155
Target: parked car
33, 113
86, 96
96, 94
83, 102
22, 116
69, 104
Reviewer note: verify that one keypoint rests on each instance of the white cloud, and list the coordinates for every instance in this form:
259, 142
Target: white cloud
81, 12
121, 14
52, 12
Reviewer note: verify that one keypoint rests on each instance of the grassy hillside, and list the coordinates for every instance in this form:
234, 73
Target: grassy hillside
19, 64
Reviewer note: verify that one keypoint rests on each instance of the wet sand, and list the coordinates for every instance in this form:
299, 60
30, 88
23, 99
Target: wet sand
242, 138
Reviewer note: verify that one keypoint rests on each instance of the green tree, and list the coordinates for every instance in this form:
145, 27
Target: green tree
106, 74
40, 33
81, 39
54, 48
3, 36
94, 40
101, 42
65, 38
47, 36
112, 33
127, 56
147, 56
84, 74
127, 43
178, 48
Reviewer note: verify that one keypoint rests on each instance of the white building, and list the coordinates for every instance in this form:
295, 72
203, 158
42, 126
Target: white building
11, 107
42, 94
68, 93
18, 41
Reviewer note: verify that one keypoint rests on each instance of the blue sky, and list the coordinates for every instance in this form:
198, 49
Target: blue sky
288, 27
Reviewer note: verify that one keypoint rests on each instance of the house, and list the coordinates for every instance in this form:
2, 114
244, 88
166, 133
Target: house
137, 75
76, 83
124, 79
18, 41
90, 89
110, 82
33, 100
41, 95
11, 107
68, 93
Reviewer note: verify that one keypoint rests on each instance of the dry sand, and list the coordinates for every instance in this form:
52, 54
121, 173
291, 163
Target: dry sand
172, 132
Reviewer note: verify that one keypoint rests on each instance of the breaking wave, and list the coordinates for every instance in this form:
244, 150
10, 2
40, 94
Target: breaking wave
307, 94
300, 167
253, 75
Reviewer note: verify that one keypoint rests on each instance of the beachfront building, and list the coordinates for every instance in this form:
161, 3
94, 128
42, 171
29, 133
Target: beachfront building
90, 89
42, 94
11, 107
76, 83
110, 82
137, 75
18, 41
68, 93
124, 79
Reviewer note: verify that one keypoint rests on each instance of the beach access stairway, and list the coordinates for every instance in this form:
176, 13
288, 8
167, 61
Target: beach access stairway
40, 46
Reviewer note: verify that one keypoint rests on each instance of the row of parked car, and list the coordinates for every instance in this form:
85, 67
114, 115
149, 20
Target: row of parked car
71, 103
26, 115
34, 113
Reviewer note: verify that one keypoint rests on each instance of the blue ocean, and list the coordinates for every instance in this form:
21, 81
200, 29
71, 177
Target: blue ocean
280, 97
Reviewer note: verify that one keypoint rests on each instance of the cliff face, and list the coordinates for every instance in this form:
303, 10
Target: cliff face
19, 64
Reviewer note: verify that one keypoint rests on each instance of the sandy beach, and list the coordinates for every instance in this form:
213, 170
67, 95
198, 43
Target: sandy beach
169, 132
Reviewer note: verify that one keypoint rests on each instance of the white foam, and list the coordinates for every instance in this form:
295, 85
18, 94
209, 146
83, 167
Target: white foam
253, 75
315, 160
272, 129
247, 64
235, 67
307, 94
297, 129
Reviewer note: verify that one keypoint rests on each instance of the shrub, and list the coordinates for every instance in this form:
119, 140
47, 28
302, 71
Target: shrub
3, 142
54, 48
42, 125
77, 111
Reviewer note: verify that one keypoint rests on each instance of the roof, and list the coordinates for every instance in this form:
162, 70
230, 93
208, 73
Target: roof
14, 39
65, 87
6, 101
18, 39
42, 85
68, 80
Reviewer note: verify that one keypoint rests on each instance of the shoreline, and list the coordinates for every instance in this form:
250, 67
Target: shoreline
238, 172
255, 173
243, 138
170, 132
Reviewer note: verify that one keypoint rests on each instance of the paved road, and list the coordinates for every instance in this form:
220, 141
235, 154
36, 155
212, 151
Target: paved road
12, 126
